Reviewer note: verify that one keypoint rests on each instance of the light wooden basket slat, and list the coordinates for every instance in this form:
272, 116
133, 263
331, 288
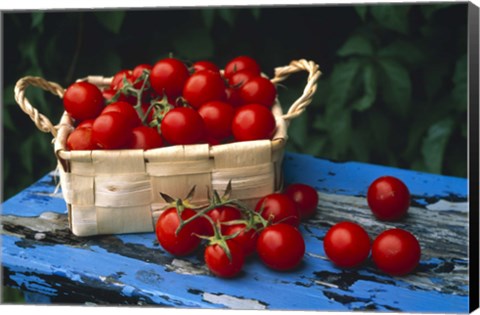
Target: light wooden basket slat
117, 191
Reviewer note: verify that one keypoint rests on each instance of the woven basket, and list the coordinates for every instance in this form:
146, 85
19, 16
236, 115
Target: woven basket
117, 191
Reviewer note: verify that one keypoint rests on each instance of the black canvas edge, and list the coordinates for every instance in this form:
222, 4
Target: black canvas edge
473, 99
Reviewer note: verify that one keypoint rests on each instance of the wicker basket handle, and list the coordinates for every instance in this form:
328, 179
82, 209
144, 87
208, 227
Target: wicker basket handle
42, 122
281, 73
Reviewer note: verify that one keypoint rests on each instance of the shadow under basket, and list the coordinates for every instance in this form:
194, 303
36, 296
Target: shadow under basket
118, 191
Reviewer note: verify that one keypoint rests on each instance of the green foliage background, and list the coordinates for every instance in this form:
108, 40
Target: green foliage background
393, 89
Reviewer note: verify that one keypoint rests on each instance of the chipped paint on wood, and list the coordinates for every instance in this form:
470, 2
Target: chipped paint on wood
41, 255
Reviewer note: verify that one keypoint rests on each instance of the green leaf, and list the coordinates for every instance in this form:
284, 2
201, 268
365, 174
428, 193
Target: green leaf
356, 45
396, 86
393, 17
370, 89
208, 16
339, 131
404, 51
228, 15
359, 145
298, 131
256, 11
194, 44
460, 88
110, 20
27, 152
362, 11
37, 20
341, 81
434, 143
435, 77
7, 119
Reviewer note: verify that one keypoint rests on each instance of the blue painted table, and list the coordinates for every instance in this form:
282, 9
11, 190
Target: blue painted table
41, 257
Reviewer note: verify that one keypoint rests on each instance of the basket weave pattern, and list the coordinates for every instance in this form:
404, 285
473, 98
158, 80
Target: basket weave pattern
117, 191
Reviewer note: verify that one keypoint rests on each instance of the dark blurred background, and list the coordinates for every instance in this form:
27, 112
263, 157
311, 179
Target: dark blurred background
393, 89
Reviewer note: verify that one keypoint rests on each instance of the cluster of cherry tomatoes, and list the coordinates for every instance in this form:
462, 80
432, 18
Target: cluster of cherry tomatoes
394, 251
171, 103
235, 232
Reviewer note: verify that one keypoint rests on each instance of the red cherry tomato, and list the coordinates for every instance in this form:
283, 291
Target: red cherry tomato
247, 238
347, 244
186, 240
388, 198
138, 72
125, 109
205, 65
169, 76
241, 63
281, 246
396, 252
204, 86
146, 138
183, 125
119, 77
305, 198
218, 117
81, 139
233, 97
221, 215
86, 124
239, 78
258, 90
83, 100
218, 262
253, 122
278, 208
111, 130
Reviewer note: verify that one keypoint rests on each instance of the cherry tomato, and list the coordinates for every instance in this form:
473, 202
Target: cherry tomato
205, 65
305, 198
247, 237
145, 138
138, 72
221, 215
388, 198
239, 78
81, 139
218, 262
168, 76
183, 125
281, 246
258, 90
119, 77
347, 244
241, 63
218, 117
253, 122
202, 87
125, 109
278, 208
83, 100
233, 97
111, 130
186, 240
86, 124
396, 252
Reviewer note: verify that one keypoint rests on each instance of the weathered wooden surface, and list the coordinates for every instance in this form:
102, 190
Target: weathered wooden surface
40, 255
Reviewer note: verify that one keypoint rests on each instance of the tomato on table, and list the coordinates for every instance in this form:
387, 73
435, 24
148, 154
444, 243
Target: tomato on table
388, 198
347, 244
186, 241
396, 252
281, 246
218, 261
278, 208
305, 198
